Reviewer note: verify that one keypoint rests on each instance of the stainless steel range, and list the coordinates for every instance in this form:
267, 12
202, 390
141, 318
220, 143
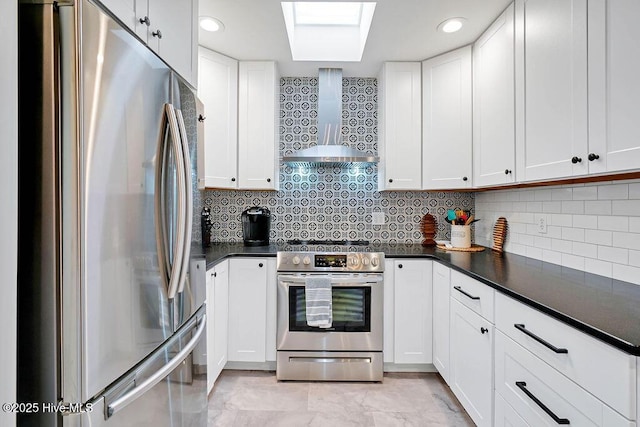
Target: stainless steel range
348, 344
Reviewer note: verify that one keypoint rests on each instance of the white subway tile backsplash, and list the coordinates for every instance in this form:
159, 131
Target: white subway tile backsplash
561, 220
585, 193
552, 207
573, 207
585, 221
616, 255
626, 273
562, 194
625, 207
613, 223
597, 207
585, 249
626, 240
573, 261
598, 237
590, 227
596, 266
613, 192
573, 234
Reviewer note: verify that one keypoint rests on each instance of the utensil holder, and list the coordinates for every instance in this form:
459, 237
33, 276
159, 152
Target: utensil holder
461, 236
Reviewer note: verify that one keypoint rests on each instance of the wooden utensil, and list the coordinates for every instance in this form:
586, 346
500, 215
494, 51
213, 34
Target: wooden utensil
429, 228
499, 234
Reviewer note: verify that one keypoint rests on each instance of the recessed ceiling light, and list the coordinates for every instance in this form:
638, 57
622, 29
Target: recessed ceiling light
451, 25
208, 23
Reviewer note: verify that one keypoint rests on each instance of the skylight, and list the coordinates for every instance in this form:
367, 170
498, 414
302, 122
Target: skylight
327, 31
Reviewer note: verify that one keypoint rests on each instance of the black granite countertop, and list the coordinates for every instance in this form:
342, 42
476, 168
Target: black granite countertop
604, 308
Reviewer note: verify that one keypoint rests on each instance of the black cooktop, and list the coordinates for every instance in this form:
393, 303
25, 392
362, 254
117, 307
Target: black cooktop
328, 242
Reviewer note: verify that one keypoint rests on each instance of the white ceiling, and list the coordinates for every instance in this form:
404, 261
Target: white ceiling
402, 30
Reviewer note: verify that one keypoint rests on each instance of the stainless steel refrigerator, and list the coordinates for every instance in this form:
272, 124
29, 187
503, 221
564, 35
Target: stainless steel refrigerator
110, 303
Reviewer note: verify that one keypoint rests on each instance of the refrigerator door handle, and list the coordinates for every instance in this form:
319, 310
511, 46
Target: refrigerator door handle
170, 269
188, 200
159, 375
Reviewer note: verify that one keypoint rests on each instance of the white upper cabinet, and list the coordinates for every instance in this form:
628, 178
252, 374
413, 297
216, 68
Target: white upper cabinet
494, 103
399, 126
551, 88
614, 87
218, 91
447, 135
258, 104
169, 27
174, 27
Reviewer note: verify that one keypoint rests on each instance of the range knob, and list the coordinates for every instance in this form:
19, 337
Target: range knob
306, 260
295, 260
354, 261
365, 261
374, 261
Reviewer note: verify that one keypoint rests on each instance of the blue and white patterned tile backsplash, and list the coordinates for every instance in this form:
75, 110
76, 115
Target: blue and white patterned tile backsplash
329, 203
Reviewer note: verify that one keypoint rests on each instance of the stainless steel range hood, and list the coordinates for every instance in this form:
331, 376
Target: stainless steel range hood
329, 150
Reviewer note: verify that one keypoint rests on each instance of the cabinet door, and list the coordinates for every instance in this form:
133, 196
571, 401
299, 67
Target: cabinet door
178, 37
441, 283
258, 95
551, 88
471, 370
413, 318
218, 90
506, 416
446, 144
272, 314
247, 309
211, 378
494, 135
399, 126
220, 317
125, 10
614, 88
389, 311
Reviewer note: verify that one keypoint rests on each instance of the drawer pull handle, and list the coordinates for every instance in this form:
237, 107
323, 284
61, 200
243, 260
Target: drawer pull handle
459, 289
523, 386
550, 346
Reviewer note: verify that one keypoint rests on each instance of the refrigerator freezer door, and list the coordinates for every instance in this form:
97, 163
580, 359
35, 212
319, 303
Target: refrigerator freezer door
168, 389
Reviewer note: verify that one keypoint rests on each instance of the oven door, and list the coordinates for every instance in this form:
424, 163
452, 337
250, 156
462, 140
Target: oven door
357, 304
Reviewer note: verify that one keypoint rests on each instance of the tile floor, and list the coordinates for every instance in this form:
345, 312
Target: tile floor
254, 398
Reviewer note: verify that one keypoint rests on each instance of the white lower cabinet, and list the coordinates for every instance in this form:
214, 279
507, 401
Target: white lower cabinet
248, 309
412, 311
217, 315
471, 358
541, 395
441, 301
505, 415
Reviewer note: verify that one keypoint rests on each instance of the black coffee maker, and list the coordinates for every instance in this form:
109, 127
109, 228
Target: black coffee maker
256, 224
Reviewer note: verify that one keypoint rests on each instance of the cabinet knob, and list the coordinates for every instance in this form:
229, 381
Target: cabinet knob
593, 156
483, 330
233, 180
464, 178
260, 265
268, 179
145, 21
201, 118
215, 274
390, 180
399, 265
507, 171
157, 34
576, 159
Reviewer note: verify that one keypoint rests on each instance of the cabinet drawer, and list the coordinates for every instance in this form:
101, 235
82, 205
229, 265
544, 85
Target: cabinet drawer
607, 373
473, 294
506, 416
541, 395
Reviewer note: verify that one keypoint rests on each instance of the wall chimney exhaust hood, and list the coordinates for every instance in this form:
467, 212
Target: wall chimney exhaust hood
329, 150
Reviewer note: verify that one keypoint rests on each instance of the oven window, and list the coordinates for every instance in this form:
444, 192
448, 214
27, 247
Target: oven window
351, 310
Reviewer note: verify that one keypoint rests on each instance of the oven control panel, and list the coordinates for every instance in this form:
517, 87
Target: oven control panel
329, 261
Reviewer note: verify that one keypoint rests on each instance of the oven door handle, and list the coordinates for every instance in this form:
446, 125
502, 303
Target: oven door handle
334, 280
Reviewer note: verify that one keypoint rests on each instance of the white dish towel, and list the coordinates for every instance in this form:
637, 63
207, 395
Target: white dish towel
318, 301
